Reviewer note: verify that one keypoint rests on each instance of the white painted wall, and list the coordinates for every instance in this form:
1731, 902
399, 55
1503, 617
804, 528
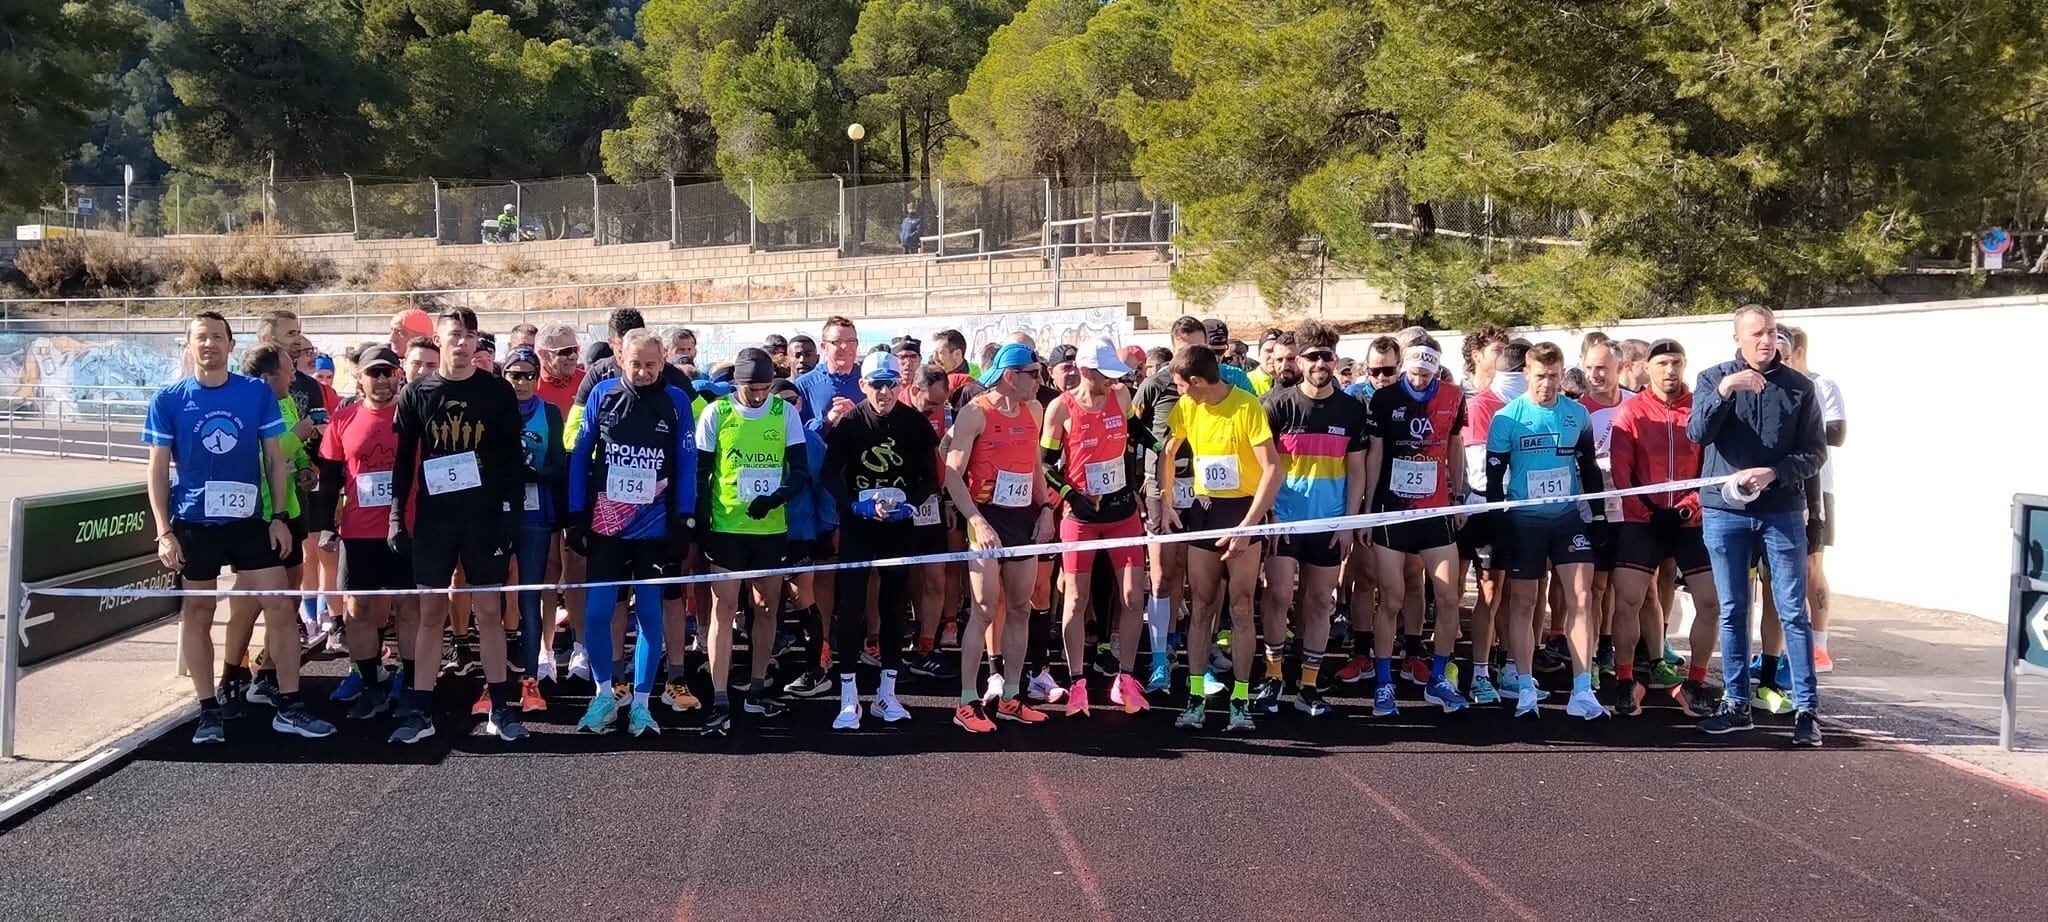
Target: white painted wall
1937, 444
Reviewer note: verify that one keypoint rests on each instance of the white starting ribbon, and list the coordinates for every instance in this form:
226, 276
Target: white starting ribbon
1306, 527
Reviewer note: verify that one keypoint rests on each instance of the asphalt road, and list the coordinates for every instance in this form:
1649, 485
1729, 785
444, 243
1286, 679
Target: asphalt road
1425, 814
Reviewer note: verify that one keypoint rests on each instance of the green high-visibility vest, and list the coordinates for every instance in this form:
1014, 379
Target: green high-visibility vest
750, 464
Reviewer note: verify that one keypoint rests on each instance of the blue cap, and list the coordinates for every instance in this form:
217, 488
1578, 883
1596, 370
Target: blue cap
1011, 355
323, 362
879, 367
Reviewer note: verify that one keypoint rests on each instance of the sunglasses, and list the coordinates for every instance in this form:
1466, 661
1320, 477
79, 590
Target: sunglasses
1383, 371
381, 371
566, 352
520, 376
1320, 355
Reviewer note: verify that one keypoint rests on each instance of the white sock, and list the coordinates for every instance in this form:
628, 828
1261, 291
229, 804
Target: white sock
888, 686
640, 699
849, 690
577, 647
1820, 640
1481, 670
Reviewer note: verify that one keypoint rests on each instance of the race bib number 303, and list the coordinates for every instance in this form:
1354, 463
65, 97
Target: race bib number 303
1218, 472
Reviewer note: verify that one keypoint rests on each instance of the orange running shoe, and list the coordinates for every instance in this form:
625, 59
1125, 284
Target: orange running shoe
482, 706
1015, 709
529, 695
1822, 662
970, 717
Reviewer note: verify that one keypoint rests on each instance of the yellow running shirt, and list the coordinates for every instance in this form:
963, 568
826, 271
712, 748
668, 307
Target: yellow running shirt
1222, 436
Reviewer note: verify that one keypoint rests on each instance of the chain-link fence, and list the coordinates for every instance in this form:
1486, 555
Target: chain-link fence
710, 214
1108, 212
634, 213
386, 211
461, 210
311, 206
557, 209
797, 216
875, 213
1002, 215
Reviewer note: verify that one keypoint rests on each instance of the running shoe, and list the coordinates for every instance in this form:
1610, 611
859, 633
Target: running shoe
600, 715
640, 720
1697, 699
676, 694
482, 707
1527, 697
398, 683
1603, 661
1266, 697
1628, 697
1240, 716
298, 721
1211, 685
466, 661
1310, 702
1077, 698
1806, 729
374, 700
1483, 691
1383, 701
232, 696
1162, 674
1415, 670
1584, 705
351, 685
210, 730
1771, 700
1671, 657
1513, 685
1016, 711
871, 654
1219, 662
1127, 694
1444, 695
1102, 661
1822, 665
760, 704
849, 715
973, 718
1192, 716
783, 641
1356, 669
1042, 687
413, 726
513, 644
505, 723
717, 720
889, 709
1664, 675
264, 691
993, 689
934, 666
529, 695
579, 663
1553, 656
810, 685
1731, 718
545, 670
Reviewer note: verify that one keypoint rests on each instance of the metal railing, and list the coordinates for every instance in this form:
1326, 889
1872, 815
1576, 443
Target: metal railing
850, 289
64, 427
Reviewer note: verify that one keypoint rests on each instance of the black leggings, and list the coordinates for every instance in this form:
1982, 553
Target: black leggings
870, 541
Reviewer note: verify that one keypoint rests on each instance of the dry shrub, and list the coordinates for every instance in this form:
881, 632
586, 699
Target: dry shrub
51, 266
517, 263
194, 270
405, 275
259, 262
112, 265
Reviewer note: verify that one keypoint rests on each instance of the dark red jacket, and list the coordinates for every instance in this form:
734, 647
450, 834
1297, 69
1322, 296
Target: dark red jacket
1648, 445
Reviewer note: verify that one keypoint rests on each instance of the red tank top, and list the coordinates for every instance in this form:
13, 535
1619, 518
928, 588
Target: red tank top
1098, 439
1006, 450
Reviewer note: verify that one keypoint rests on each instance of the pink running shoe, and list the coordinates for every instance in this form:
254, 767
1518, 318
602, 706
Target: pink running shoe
1128, 693
1077, 698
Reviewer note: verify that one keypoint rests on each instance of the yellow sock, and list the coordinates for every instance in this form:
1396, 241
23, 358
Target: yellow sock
1309, 674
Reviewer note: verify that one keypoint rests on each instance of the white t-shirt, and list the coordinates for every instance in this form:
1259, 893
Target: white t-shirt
1831, 411
707, 424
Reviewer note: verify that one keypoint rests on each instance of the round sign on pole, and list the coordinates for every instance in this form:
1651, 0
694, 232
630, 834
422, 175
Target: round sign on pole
1993, 243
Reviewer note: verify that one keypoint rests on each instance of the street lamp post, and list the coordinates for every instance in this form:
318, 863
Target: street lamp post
854, 133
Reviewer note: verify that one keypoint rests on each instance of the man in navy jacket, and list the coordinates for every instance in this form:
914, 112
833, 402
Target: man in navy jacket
1758, 419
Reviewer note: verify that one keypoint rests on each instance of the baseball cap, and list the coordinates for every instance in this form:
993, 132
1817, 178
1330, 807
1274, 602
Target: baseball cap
1100, 355
521, 355
906, 344
323, 362
1011, 355
1062, 354
377, 355
485, 342
1663, 346
414, 321
879, 368
1217, 331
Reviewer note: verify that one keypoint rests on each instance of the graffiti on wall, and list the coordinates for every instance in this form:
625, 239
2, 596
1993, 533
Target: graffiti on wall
1048, 328
85, 374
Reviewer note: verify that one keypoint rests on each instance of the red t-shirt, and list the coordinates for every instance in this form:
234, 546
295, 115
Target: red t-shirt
561, 394
363, 440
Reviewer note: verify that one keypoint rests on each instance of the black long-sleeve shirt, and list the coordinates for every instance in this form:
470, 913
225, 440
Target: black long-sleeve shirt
869, 450
442, 418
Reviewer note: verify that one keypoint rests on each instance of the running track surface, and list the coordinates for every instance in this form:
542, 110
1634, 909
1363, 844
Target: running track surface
1426, 814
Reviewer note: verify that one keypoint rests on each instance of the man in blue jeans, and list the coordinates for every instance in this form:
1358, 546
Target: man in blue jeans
1758, 419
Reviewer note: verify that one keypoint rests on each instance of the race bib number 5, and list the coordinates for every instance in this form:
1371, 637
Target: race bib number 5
451, 473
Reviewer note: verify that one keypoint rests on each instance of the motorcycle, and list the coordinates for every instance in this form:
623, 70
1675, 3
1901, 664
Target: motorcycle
509, 230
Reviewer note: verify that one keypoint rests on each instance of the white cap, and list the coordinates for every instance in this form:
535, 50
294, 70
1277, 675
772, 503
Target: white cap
880, 366
1100, 354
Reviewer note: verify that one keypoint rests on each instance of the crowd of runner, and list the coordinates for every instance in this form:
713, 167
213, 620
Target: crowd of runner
462, 461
